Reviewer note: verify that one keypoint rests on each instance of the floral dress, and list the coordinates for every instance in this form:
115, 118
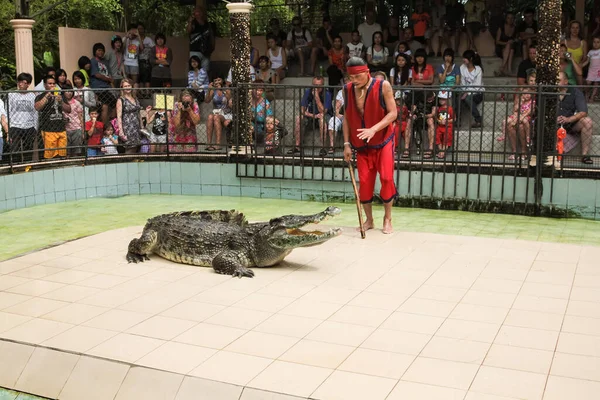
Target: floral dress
185, 133
130, 115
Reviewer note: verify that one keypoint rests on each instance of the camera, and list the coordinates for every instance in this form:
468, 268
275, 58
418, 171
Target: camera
568, 55
186, 104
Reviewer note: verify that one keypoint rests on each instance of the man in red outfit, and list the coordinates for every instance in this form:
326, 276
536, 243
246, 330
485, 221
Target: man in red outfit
369, 123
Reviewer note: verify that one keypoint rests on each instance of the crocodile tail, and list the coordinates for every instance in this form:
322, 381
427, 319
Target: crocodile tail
232, 216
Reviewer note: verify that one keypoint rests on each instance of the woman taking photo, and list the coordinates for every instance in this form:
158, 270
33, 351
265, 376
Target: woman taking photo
182, 127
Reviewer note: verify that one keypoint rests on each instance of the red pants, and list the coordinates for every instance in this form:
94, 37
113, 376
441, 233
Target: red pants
371, 161
443, 135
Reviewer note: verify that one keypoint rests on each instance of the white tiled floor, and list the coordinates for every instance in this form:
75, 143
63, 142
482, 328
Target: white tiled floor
404, 316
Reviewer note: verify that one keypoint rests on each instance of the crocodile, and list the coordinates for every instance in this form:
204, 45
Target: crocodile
226, 241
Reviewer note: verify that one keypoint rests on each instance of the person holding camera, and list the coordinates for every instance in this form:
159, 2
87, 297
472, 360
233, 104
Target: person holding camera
51, 106
221, 113
133, 47
182, 126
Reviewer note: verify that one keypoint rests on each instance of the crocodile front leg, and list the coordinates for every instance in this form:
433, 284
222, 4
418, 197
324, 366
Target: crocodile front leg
232, 263
140, 248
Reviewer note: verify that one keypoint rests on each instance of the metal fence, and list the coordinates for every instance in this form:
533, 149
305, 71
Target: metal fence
497, 144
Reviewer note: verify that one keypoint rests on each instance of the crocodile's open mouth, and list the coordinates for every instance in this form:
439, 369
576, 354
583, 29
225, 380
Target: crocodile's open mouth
300, 232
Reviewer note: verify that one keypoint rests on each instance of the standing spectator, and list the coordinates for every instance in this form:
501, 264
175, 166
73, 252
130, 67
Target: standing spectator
144, 58
133, 47
3, 127
475, 21
436, 30
277, 57
161, 58
129, 118
197, 79
109, 141
254, 55
323, 43
576, 45
527, 31
526, 66
22, 118
83, 95
52, 124
94, 130
100, 79
277, 33
506, 44
74, 125
85, 67
420, 21
316, 105
299, 41
355, 48
391, 33
472, 82
337, 62
572, 70
261, 109
377, 54
455, 13
368, 28
182, 127
413, 45
593, 76
61, 79
221, 112
115, 60
445, 119
48, 71
449, 76
202, 37
573, 116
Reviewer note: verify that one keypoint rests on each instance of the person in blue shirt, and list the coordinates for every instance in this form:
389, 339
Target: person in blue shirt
449, 75
316, 108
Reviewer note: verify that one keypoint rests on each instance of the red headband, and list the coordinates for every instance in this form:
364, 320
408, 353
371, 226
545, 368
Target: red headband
358, 69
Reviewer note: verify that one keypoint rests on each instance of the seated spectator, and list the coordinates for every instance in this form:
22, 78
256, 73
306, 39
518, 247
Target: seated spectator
449, 77
355, 48
527, 65
413, 45
380, 75
161, 58
51, 106
436, 27
229, 80
115, 59
334, 125
527, 31
368, 28
83, 95
472, 84
377, 54
422, 73
422, 111
568, 67
85, 67
182, 127
129, 117
475, 13
277, 58
391, 33
275, 31
506, 44
261, 109
254, 55
322, 43
22, 121
573, 116
197, 79
403, 48
299, 41
455, 13
593, 75
221, 112
401, 73
94, 130
274, 134
316, 105
420, 22
74, 125
100, 79
265, 72
337, 62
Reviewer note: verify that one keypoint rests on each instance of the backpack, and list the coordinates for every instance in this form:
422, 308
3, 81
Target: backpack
294, 36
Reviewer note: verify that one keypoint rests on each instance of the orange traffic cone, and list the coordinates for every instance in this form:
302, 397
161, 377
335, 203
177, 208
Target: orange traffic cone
561, 133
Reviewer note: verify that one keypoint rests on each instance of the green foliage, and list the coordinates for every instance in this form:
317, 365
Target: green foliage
259, 19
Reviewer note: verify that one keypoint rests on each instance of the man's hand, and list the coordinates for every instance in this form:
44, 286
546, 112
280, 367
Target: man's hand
366, 133
562, 120
347, 153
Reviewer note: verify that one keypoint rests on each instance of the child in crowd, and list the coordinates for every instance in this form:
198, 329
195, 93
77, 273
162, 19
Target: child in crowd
83, 95
445, 117
133, 48
593, 60
402, 111
95, 132
74, 126
520, 120
274, 133
403, 48
158, 134
109, 141
355, 48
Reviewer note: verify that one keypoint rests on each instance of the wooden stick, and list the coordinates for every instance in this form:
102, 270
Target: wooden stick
358, 205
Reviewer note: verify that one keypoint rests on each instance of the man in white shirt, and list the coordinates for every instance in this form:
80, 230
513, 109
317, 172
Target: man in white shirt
23, 120
335, 123
368, 28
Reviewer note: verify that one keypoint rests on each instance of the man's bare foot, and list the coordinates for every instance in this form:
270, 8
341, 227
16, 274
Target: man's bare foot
387, 226
366, 225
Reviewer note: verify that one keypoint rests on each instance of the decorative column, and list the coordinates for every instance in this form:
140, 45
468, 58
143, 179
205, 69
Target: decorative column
548, 68
23, 44
239, 19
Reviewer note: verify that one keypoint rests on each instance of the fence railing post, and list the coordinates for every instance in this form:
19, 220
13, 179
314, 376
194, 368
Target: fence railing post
538, 186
